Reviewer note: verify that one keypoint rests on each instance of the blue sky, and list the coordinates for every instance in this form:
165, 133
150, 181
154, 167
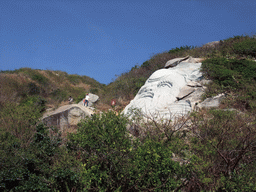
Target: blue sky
105, 38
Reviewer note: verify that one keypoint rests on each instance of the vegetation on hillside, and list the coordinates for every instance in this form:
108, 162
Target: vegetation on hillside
212, 150
54, 87
237, 51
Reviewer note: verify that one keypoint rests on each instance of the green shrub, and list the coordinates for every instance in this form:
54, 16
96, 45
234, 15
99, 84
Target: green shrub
40, 166
154, 170
181, 49
19, 120
34, 102
74, 79
39, 78
145, 64
59, 94
246, 47
105, 145
94, 90
232, 75
113, 161
33, 89
223, 151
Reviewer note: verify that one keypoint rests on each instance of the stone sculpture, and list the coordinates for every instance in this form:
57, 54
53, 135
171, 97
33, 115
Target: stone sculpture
161, 94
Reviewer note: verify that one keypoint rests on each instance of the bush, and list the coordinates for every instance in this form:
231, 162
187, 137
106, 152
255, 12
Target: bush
232, 75
74, 79
246, 47
104, 146
33, 89
40, 166
113, 161
223, 148
59, 94
180, 49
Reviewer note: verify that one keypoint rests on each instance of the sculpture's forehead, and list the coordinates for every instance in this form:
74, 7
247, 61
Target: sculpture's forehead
160, 74
176, 73
163, 74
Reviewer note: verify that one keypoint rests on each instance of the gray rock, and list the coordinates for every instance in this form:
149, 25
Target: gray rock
194, 84
93, 99
205, 82
212, 44
174, 62
66, 116
212, 102
184, 92
195, 97
193, 60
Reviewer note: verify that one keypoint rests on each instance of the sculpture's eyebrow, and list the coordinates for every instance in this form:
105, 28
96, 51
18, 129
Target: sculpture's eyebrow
165, 83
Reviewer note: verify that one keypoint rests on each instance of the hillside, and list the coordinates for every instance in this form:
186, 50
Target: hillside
54, 87
208, 150
50, 87
235, 51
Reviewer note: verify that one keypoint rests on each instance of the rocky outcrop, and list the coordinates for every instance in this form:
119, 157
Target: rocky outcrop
212, 102
66, 116
175, 62
93, 99
173, 91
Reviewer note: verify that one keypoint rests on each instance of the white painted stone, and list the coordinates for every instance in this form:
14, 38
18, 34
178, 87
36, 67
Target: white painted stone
158, 96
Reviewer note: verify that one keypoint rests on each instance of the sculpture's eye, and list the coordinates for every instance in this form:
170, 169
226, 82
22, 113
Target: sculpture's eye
165, 84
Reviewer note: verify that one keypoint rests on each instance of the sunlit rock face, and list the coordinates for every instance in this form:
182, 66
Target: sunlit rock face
160, 95
66, 116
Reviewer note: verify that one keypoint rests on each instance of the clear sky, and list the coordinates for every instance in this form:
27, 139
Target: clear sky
104, 38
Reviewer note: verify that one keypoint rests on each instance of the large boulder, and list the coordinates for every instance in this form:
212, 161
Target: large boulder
66, 116
169, 92
173, 92
93, 99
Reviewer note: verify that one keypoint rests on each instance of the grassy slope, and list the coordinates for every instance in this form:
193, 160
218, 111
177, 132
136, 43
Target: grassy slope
52, 86
237, 51
220, 146
56, 86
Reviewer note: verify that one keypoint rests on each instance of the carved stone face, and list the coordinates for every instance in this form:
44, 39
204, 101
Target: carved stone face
158, 94
160, 90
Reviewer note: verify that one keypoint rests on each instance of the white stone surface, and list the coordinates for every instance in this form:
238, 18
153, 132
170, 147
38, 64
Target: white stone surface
158, 96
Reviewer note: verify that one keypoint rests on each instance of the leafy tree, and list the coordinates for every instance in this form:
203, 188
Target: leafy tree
115, 161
